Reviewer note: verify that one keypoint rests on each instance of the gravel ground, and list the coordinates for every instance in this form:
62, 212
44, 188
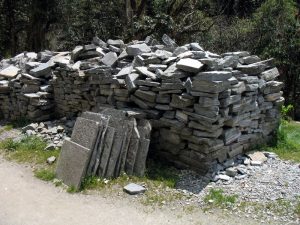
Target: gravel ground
268, 193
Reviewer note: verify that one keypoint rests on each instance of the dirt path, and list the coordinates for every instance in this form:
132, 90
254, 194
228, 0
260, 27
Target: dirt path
25, 200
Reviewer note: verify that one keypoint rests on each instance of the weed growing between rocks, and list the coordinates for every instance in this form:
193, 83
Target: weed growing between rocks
216, 197
45, 174
29, 149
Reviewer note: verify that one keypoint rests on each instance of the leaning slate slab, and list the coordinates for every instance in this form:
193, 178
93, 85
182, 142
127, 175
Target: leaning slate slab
72, 163
134, 189
85, 132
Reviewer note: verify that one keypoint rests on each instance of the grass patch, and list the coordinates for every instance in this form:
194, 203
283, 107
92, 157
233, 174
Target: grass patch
287, 145
44, 174
72, 190
7, 127
216, 197
159, 181
28, 150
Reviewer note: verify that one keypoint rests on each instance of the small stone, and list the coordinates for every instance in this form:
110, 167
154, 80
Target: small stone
224, 177
232, 172
257, 156
247, 161
51, 160
134, 189
49, 147
256, 163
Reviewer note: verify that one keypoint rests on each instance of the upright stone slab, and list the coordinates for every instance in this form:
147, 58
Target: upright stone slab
72, 163
98, 148
132, 151
85, 132
107, 146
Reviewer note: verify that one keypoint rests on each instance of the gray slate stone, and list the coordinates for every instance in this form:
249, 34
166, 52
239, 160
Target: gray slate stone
72, 163
134, 189
134, 50
85, 132
189, 65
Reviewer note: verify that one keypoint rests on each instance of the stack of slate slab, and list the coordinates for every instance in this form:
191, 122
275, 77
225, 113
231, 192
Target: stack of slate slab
203, 107
24, 85
104, 144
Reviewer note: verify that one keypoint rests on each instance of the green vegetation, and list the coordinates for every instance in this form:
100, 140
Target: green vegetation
28, 150
216, 197
159, 181
72, 190
44, 174
287, 143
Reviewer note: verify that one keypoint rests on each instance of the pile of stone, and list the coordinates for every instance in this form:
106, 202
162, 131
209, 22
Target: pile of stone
204, 107
241, 166
24, 85
53, 132
104, 144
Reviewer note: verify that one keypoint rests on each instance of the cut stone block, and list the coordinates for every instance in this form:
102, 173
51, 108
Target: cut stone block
72, 163
213, 76
9, 72
189, 65
134, 189
134, 50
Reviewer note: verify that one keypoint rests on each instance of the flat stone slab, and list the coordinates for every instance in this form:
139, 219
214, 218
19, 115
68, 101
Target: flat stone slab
257, 156
189, 65
9, 72
144, 71
134, 50
42, 70
134, 189
109, 59
85, 132
72, 163
214, 76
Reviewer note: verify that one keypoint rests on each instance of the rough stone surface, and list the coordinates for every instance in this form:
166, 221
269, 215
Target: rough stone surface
72, 163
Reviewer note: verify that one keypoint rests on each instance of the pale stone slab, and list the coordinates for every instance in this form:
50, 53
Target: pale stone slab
189, 65
134, 189
9, 72
72, 163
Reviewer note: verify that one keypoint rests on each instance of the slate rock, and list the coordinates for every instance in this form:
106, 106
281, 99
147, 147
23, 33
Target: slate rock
134, 50
134, 189
189, 65
72, 163
9, 72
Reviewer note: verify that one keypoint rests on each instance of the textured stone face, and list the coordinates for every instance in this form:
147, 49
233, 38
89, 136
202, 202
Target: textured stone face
85, 132
72, 163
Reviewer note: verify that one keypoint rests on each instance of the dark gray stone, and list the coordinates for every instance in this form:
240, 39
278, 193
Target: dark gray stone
72, 163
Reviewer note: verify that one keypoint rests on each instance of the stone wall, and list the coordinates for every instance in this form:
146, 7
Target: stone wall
203, 107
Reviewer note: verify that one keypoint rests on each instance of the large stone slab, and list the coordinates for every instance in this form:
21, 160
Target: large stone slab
85, 132
107, 145
213, 75
132, 151
72, 163
189, 65
134, 50
9, 72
